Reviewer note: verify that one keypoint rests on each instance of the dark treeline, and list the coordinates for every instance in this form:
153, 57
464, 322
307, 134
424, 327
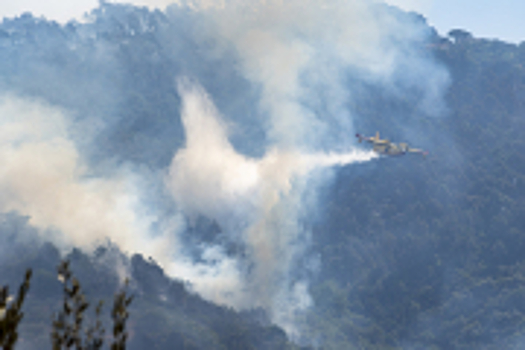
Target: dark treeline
163, 314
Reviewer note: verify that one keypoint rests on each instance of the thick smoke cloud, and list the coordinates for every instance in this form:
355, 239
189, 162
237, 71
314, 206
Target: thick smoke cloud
300, 57
299, 54
44, 177
258, 202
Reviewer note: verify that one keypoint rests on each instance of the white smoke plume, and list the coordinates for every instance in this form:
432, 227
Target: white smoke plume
44, 177
257, 201
299, 53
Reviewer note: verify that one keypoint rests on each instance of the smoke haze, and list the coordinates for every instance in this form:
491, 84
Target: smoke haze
298, 58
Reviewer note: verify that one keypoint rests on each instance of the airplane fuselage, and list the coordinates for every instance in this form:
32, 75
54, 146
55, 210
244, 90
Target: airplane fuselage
389, 148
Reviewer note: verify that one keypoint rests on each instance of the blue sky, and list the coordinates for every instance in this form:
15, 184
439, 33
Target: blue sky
503, 19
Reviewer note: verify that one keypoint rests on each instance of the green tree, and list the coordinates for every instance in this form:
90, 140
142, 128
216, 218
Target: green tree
68, 324
11, 314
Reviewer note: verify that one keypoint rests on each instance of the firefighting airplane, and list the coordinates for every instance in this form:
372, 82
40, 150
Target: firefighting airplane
389, 148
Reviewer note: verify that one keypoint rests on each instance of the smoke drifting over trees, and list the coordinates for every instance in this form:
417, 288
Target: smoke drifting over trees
218, 139
83, 191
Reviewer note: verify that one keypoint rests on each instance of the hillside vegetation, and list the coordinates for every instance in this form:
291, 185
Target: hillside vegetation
428, 253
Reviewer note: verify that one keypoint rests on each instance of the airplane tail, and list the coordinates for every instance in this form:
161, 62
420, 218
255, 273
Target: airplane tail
359, 137
423, 153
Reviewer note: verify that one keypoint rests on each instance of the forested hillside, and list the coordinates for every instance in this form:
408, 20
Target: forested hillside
428, 253
410, 252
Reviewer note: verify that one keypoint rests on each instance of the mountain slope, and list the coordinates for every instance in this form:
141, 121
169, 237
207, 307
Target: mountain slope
413, 252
